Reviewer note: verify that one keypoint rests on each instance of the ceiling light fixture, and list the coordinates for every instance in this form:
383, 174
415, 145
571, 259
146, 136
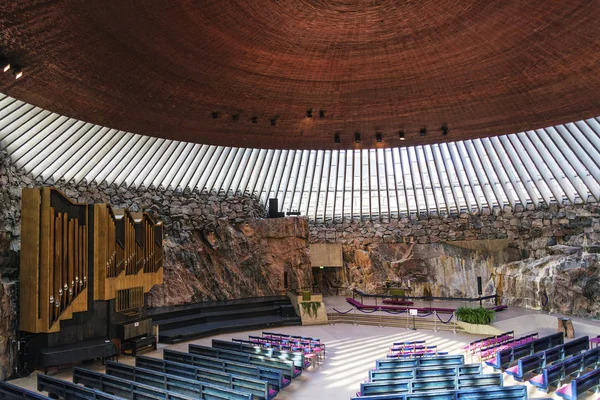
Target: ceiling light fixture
322, 114
309, 113
336, 138
357, 137
444, 130
378, 137
254, 119
4, 64
423, 131
17, 72
401, 135
235, 117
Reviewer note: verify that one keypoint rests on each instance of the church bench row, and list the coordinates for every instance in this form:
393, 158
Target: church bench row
273, 376
424, 372
174, 383
12, 392
310, 353
430, 384
305, 346
286, 367
312, 340
580, 385
489, 393
154, 384
258, 388
488, 341
296, 357
485, 353
504, 358
436, 361
554, 374
539, 360
57, 388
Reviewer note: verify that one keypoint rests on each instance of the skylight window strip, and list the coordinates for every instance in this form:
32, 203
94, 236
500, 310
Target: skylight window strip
241, 170
471, 198
185, 173
323, 187
284, 176
14, 112
591, 130
249, 174
179, 155
302, 161
497, 179
448, 192
110, 151
392, 170
583, 142
485, 183
503, 177
25, 129
71, 148
310, 166
545, 176
337, 156
552, 161
83, 165
157, 166
515, 162
384, 157
223, 169
441, 194
579, 164
192, 175
265, 189
565, 134
535, 177
135, 166
264, 173
473, 177
207, 155
432, 197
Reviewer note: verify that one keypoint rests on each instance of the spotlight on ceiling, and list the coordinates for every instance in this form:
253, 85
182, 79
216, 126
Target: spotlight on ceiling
322, 114
17, 72
274, 120
235, 117
401, 135
444, 130
254, 119
378, 137
357, 137
309, 113
215, 114
423, 131
4, 64
336, 138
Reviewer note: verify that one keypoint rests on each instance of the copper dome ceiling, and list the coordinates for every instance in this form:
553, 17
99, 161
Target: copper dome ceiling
185, 70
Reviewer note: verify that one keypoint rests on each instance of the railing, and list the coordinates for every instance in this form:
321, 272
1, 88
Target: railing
423, 298
411, 319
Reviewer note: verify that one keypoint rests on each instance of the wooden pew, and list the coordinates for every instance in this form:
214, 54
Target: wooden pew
424, 372
173, 383
12, 392
297, 358
537, 361
490, 393
505, 357
554, 374
273, 376
260, 389
580, 385
437, 361
287, 368
168, 387
430, 384
67, 390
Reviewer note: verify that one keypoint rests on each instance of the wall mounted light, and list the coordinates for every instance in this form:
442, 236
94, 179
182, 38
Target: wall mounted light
4, 64
336, 138
444, 130
378, 137
17, 72
357, 137
401, 135
309, 113
423, 131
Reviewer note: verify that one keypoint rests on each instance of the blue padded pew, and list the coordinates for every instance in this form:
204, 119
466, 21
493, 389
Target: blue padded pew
287, 368
490, 393
504, 358
430, 384
435, 361
174, 383
580, 385
71, 391
537, 361
12, 392
260, 389
554, 374
296, 357
424, 372
273, 376
168, 387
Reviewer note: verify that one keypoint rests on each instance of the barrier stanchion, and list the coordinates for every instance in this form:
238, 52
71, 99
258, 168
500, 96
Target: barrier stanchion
434, 320
380, 322
407, 319
354, 322
454, 316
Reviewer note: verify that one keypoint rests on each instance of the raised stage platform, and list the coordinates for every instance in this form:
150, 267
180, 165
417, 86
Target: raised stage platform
189, 321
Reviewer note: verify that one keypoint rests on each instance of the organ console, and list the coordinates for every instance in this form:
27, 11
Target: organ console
85, 269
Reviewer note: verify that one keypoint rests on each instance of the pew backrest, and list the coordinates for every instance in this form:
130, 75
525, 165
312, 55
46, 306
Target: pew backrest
429, 384
67, 390
273, 376
13, 392
297, 358
579, 385
435, 361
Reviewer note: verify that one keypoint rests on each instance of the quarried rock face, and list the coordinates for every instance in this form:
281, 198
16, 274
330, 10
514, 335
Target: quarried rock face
235, 261
9, 326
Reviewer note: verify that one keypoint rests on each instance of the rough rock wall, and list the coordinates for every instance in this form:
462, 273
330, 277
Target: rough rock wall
530, 257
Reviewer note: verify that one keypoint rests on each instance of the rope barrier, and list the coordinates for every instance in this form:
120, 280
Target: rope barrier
444, 322
368, 312
343, 312
425, 315
394, 312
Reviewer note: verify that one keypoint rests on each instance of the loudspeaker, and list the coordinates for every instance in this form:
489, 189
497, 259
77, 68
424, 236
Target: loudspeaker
479, 287
273, 206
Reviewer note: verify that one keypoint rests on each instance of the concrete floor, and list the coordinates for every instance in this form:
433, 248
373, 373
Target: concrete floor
352, 350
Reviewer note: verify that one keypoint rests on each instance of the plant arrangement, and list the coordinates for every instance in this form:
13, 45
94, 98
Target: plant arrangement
479, 315
311, 307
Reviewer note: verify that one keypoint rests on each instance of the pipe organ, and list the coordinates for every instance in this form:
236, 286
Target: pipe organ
84, 258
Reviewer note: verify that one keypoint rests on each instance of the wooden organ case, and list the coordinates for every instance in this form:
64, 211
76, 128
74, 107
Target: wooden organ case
85, 270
